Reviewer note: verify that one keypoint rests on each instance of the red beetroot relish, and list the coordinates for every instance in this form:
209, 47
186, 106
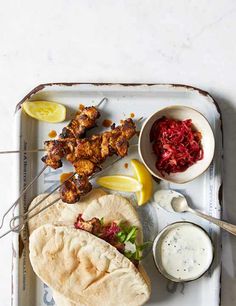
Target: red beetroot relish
176, 144
106, 232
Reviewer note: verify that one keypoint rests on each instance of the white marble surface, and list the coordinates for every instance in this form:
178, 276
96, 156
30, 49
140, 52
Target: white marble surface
191, 42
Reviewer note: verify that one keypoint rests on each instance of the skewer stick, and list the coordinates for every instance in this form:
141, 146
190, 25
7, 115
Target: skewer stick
42, 150
25, 217
102, 101
31, 183
22, 151
21, 194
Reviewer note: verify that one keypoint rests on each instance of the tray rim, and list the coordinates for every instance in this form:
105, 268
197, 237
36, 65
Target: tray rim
187, 87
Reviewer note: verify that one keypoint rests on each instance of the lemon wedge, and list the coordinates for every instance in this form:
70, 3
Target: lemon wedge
120, 183
145, 178
45, 111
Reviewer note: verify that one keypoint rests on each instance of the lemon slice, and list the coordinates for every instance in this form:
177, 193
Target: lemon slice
45, 111
120, 183
145, 178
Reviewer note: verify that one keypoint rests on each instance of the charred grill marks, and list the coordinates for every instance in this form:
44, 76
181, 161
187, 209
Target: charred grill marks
87, 154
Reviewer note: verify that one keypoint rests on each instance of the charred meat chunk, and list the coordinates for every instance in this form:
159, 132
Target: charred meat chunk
73, 188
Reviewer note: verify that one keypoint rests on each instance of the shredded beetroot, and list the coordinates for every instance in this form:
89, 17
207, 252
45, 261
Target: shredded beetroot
176, 144
109, 231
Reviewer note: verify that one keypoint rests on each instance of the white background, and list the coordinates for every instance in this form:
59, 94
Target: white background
185, 41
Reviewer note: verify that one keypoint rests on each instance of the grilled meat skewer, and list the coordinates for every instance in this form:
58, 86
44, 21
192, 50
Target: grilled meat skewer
88, 154
84, 120
56, 150
98, 147
74, 188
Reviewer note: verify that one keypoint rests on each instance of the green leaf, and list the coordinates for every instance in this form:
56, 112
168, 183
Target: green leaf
132, 255
132, 234
102, 221
137, 255
141, 247
128, 254
123, 226
127, 233
121, 236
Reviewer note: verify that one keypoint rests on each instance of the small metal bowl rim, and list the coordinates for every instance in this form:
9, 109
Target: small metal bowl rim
155, 241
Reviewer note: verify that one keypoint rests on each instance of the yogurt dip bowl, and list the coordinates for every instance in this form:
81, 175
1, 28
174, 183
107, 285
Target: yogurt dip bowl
183, 251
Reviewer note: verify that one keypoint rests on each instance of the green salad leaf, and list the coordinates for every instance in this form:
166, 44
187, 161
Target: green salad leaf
137, 255
127, 233
102, 221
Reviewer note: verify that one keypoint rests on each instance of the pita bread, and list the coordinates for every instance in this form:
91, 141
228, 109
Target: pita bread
110, 208
114, 208
93, 266
95, 204
60, 212
60, 300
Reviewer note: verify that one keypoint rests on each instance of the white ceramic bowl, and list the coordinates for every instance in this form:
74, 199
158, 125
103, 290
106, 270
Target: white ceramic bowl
199, 122
175, 257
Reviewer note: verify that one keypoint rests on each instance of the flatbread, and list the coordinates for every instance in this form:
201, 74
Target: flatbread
110, 208
101, 275
59, 212
95, 204
60, 300
114, 208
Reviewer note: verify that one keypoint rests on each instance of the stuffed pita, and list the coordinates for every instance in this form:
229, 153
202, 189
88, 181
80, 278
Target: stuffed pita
110, 208
85, 268
114, 208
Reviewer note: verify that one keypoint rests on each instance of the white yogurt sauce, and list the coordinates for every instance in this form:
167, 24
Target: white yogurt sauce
183, 252
165, 198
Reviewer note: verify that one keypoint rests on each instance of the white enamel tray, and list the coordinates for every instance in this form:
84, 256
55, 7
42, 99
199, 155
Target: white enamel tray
204, 193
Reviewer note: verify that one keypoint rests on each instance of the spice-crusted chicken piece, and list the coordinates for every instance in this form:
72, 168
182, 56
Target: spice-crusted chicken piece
95, 148
88, 154
73, 188
87, 148
85, 167
116, 140
83, 121
92, 226
57, 149
98, 147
